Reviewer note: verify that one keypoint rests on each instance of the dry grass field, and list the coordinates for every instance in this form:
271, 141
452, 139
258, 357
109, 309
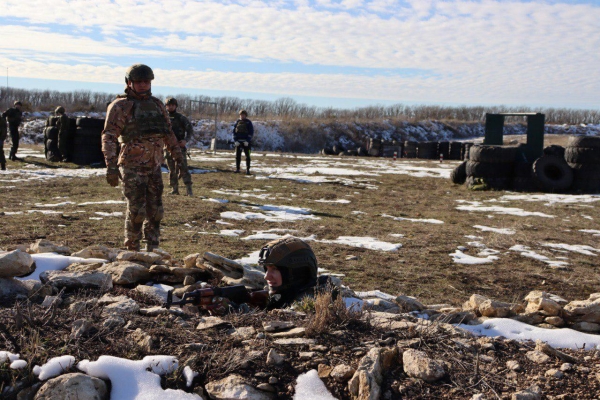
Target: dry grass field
371, 190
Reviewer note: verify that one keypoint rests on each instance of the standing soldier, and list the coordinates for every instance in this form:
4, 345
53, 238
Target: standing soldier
3, 134
64, 138
14, 116
141, 124
242, 138
183, 132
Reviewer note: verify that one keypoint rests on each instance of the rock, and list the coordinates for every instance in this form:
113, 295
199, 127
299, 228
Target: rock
128, 306
295, 342
513, 365
46, 246
382, 305
273, 326
273, 380
126, 273
159, 269
555, 321
114, 321
144, 340
474, 302
408, 303
292, 333
155, 293
529, 318
29, 393
274, 358
587, 310
190, 260
235, 387
533, 393
342, 372
554, 373
306, 355
318, 347
265, 387
179, 292
96, 251
155, 311
11, 288
418, 365
478, 396
49, 301
324, 370
566, 367
80, 327
83, 267
81, 306
73, 386
78, 280
243, 333
586, 327
535, 294
537, 357
15, 263
189, 280
351, 258
542, 302
366, 381
210, 322
389, 357
495, 309
141, 256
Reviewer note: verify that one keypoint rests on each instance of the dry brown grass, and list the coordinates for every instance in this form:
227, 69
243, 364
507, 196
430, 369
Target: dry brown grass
330, 313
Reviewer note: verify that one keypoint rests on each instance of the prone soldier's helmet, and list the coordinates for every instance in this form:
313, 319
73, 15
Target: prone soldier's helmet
59, 110
17, 103
139, 72
243, 112
171, 100
294, 259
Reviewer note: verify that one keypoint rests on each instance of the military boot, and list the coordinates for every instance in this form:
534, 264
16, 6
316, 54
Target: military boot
150, 246
175, 190
3, 166
248, 171
188, 190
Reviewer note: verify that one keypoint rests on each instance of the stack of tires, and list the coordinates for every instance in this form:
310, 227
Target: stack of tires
427, 150
455, 151
410, 149
583, 155
444, 150
465, 148
490, 167
87, 147
51, 140
374, 147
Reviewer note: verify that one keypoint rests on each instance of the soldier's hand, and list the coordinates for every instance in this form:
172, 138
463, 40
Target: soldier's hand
236, 144
246, 143
113, 175
218, 305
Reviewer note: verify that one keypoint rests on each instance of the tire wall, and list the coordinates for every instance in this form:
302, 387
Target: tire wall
492, 166
583, 156
87, 143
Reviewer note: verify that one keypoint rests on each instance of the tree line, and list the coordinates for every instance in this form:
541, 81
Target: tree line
227, 107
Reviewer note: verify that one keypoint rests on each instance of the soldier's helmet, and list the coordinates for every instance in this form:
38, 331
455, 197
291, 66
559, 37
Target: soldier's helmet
171, 100
294, 259
17, 103
243, 112
59, 110
139, 72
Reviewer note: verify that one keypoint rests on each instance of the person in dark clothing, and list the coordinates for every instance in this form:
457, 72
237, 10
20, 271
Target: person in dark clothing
183, 130
14, 116
242, 138
65, 141
3, 135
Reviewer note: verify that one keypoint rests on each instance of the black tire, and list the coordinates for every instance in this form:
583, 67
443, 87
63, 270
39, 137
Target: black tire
582, 155
489, 170
458, 175
586, 178
337, 149
52, 152
554, 150
455, 151
552, 174
87, 147
492, 154
51, 121
444, 149
427, 150
84, 122
584, 141
410, 149
362, 152
465, 149
523, 170
51, 133
586, 171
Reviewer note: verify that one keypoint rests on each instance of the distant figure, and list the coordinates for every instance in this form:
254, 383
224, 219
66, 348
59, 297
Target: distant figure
140, 123
3, 135
183, 130
14, 116
65, 141
242, 138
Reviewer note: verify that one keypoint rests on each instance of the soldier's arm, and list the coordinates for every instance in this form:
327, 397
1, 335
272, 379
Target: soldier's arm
116, 116
250, 130
189, 129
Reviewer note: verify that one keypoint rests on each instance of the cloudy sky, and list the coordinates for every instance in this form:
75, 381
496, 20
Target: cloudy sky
324, 52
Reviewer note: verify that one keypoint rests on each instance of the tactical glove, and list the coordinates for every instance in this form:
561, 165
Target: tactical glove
236, 144
113, 176
246, 144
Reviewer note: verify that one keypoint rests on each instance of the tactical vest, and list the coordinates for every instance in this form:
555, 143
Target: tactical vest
177, 125
242, 127
147, 121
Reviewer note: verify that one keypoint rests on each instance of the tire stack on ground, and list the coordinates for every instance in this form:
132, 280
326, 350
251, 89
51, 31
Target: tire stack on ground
455, 151
88, 141
490, 167
410, 149
375, 147
583, 155
51, 140
444, 150
458, 176
465, 148
427, 150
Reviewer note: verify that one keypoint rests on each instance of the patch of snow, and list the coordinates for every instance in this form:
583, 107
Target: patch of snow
341, 201
53, 367
462, 258
310, 387
594, 232
552, 199
479, 207
576, 248
502, 231
223, 201
527, 252
53, 261
18, 364
375, 293
428, 221
106, 214
7, 356
89, 203
64, 203
365, 243
189, 375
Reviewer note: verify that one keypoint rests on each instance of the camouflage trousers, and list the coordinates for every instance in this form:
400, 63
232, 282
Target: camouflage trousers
14, 137
143, 189
173, 179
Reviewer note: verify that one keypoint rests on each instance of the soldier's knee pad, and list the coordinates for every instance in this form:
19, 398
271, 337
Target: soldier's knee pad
139, 216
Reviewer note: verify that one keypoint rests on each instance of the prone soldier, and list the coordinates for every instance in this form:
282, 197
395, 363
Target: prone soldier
140, 123
14, 116
183, 131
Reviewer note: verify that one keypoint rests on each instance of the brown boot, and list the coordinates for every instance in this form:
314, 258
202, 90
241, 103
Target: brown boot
175, 190
188, 190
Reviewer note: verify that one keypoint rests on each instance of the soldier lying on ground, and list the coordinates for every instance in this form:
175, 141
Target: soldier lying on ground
290, 273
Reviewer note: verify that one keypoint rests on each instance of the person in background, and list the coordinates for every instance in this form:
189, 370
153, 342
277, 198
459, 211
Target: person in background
242, 139
183, 130
3, 135
14, 116
64, 136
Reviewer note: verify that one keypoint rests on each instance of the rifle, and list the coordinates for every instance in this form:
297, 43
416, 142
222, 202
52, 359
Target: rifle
211, 298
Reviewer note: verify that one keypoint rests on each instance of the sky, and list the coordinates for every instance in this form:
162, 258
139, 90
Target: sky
338, 53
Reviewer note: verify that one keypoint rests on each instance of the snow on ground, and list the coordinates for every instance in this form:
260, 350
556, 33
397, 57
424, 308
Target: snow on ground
272, 214
462, 258
242, 193
502, 231
64, 203
564, 338
424, 220
107, 214
33, 173
527, 252
53, 261
222, 201
594, 232
53, 367
576, 248
364, 243
310, 387
551, 199
479, 207
189, 375
132, 380
89, 203
341, 201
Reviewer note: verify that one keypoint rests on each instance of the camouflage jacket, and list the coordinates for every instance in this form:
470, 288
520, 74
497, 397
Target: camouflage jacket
182, 126
140, 152
14, 116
